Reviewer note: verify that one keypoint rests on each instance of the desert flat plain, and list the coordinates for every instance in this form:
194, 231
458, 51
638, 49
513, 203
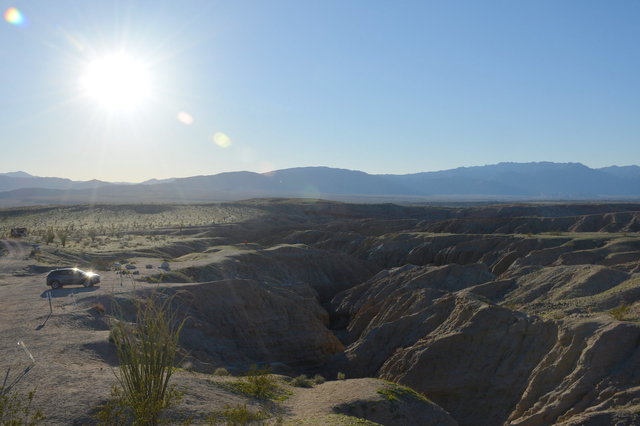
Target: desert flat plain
511, 314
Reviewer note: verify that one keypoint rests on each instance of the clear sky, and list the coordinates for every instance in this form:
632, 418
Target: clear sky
379, 86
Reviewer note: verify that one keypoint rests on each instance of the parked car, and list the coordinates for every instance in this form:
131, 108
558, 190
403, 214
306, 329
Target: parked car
69, 276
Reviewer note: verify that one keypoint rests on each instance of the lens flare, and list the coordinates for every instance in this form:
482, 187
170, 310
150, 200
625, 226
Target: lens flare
14, 17
185, 118
222, 140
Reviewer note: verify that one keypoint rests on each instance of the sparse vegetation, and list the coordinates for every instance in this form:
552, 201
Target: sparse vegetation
101, 264
146, 350
221, 371
334, 420
341, 376
236, 415
18, 410
511, 306
318, 379
63, 235
392, 392
258, 383
170, 277
621, 313
302, 381
49, 236
96, 223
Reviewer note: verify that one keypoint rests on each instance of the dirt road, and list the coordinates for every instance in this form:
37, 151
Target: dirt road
51, 340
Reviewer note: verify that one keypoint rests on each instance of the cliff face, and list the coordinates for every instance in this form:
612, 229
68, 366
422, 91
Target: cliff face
234, 323
431, 328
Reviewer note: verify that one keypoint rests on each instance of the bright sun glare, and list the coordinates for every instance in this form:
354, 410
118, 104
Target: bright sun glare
118, 81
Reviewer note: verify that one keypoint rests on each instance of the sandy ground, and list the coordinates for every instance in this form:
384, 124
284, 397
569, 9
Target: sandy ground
320, 400
59, 347
66, 341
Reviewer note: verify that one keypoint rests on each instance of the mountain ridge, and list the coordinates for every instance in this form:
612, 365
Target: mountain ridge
501, 181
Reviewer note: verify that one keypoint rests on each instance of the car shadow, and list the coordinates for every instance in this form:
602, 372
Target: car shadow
66, 291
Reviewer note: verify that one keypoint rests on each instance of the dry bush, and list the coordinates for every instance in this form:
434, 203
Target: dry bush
99, 308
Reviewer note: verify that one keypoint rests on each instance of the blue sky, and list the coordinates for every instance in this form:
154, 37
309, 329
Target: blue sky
378, 86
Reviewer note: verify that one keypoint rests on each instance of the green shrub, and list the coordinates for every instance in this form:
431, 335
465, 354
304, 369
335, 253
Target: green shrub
146, 350
261, 383
16, 410
221, 372
318, 379
258, 383
302, 381
392, 392
238, 415
341, 376
620, 313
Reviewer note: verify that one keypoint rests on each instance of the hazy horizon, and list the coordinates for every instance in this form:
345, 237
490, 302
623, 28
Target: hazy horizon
317, 166
127, 91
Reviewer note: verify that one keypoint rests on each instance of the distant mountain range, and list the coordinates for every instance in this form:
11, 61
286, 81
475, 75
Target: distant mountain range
503, 181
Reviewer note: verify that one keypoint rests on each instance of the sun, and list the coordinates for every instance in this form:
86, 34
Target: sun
118, 81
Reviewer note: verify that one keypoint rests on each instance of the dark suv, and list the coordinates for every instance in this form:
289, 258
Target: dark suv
65, 276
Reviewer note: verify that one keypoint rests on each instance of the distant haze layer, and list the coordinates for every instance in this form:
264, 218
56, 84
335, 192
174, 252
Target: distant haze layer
503, 181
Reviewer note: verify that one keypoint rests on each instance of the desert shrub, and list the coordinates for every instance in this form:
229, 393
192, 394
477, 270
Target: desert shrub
302, 381
261, 383
63, 235
341, 376
318, 379
238, 415
257, 383
49, 236
146, 349
392, 392
101, 264
99, 308
221, 372
170, 277
17, 410
620, 313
